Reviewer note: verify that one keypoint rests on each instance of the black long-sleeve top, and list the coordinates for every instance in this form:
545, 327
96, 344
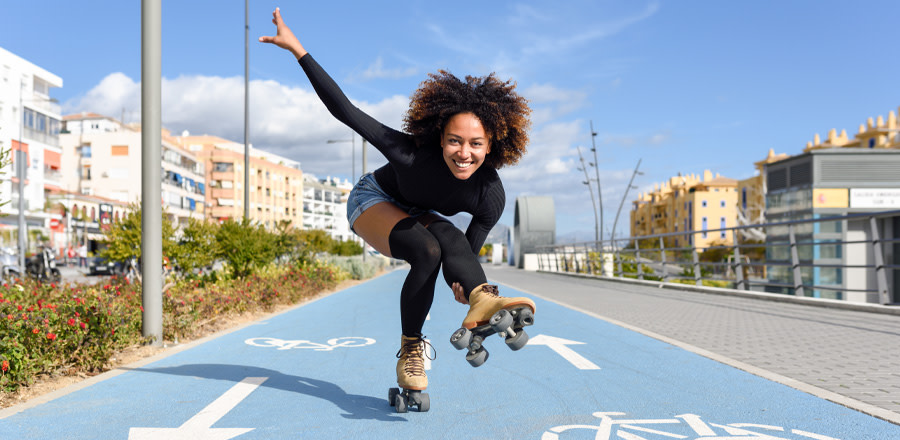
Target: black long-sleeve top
416, 176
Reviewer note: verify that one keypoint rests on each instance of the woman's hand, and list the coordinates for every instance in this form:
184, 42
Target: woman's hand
284, 38
459, 294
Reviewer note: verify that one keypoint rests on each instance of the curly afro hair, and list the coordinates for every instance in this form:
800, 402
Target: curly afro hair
502, 112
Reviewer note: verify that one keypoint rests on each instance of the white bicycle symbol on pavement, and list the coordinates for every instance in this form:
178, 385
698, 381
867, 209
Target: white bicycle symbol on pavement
331, 344
733, 431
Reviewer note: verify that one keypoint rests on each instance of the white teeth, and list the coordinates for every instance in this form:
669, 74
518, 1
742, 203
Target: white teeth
463, 165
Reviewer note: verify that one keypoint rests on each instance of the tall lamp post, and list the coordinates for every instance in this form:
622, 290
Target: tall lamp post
587, 182
624, 196
352, 141
596, 166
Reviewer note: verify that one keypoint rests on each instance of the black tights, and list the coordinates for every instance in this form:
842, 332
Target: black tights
426, 249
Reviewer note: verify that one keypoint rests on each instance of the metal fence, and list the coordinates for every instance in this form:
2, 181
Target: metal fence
850, 257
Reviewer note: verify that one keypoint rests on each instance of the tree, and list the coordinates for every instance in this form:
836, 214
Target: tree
245, 246
123, 239
196, 247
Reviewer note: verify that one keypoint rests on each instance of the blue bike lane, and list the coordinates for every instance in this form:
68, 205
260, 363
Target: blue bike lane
323, 370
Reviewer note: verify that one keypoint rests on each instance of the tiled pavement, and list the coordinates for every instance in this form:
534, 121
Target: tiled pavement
853, 354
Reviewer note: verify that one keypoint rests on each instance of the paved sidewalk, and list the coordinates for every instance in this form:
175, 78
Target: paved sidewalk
849, 357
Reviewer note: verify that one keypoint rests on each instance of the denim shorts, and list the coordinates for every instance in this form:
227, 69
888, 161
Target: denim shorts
367, 193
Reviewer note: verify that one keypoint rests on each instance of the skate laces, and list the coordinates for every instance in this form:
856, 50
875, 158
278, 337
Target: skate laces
491, 290
415, 350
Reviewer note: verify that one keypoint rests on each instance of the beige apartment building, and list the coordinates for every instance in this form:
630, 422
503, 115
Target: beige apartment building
102, 157
685, 204
275, 187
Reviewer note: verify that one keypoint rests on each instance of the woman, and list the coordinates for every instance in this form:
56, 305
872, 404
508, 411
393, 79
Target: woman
459, 133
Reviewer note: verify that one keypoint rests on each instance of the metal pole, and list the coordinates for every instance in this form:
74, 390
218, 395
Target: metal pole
738, 265
597, 170
880, 278
246, 110
795, 263
696, 258
587, 181
363, 173
21, 173
624, 196
151, 139
662, 250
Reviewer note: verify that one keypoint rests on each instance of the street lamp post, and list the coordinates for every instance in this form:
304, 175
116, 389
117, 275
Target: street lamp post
597, 171
587, 182
627, 188
352, 141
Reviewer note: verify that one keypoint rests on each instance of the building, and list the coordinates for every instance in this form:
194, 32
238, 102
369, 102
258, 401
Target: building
30, 124
82, 220
275, 189
835, 177
102, 157
823, 183
325, 206
685, 204
751, 208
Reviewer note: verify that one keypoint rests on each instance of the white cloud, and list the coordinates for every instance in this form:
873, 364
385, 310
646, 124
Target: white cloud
377, 71
288, 121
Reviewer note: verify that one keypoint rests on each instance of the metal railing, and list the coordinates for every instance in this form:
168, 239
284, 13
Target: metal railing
841, 257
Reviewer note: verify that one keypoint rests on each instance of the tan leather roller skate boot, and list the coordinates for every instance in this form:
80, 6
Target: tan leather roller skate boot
411, 376
491, 313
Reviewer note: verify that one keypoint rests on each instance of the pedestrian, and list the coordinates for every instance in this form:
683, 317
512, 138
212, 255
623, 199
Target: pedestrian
457, 134
82, 255
70, 256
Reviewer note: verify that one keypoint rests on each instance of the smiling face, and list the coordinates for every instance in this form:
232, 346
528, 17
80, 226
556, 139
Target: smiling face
465, 144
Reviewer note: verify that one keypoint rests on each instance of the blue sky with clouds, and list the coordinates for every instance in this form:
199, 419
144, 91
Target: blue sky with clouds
683, 85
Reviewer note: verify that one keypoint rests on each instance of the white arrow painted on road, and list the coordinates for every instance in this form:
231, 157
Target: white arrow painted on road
199, 427
559, 345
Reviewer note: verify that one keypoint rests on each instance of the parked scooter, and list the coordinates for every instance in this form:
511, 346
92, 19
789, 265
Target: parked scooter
43, 266
9, 265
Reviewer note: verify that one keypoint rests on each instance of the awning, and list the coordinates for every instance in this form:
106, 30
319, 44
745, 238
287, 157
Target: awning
52, 159
177, 178
202, 188
17, 146
193, 204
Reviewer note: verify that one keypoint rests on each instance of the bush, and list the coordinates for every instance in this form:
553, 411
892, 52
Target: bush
45, 328
355, 267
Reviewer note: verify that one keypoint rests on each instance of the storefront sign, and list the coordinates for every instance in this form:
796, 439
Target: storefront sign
830, 198
877, 198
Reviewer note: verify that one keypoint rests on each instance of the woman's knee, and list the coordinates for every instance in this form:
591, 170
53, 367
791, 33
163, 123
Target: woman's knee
410, 241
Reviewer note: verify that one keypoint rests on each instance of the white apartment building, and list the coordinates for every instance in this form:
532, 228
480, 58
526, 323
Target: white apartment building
102, 157
29, 122
325, 206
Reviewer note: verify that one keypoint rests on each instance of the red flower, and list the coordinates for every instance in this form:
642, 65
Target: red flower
51, 336
71, 321
4, 366
35, 331
83, 326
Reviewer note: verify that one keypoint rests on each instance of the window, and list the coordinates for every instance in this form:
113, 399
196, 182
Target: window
86, 151
704, 225
744, 197
722, 204
703, 204
872, 143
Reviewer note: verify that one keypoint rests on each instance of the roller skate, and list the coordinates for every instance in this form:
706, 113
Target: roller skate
490, 313
411, 376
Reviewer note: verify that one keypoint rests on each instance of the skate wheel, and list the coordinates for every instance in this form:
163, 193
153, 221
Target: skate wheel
424, 403
501, 321
392, 394
478, 358
518, 341
400, 403
461, 338
526, 317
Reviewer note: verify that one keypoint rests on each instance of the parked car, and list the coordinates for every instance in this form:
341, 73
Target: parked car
102, 266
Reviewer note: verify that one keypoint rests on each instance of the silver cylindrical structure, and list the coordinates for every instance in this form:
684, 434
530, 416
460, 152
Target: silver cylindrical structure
151, 164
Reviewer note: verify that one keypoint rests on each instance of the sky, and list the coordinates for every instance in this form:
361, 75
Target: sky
683, 86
